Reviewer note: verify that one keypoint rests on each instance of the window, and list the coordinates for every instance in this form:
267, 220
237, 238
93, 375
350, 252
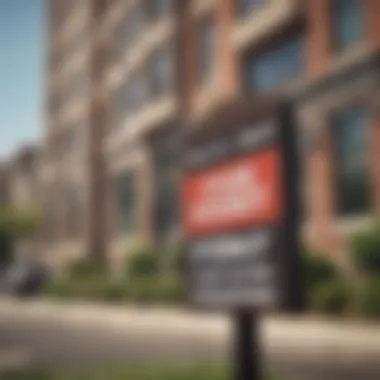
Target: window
207, 49
77, 86
125, 202
74, 213
122, 103
137, 20
129, 29
50, 220
168, 171
162, 72
247, 6
350, 144
138, 90
347, 22
158, 8
272, 68
124, 35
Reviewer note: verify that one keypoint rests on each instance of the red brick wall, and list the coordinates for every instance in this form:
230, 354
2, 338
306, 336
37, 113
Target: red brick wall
321, 189
372, 14
226, 55
319, 32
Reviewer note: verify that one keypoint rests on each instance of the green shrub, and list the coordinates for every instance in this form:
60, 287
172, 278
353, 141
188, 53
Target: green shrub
61, 289
84, 268
115, 291
169, 289
365, 250
142, 290
143, 263
176, 253
367, 300
317, 269
331, 297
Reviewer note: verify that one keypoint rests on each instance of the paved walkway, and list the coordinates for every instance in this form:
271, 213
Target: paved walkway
327, 339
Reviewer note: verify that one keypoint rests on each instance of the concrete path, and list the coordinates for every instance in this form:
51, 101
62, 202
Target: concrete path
46, 334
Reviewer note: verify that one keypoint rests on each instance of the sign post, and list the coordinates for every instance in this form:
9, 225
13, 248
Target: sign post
247, 350
240, 215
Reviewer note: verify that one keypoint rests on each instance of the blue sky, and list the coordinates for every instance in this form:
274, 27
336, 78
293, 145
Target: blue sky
22, 28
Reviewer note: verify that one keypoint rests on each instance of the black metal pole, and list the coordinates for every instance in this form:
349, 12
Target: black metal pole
247, 358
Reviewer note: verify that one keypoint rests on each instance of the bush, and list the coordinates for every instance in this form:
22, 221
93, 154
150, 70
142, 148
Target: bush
142, 290
176, 254
84, 268
61, 289
115, 291
143, 263
169, 289
365, 250
317, 270
331, 297
367, 300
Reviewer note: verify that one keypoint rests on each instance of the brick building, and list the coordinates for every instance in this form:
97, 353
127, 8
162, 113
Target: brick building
142, 70
72, 158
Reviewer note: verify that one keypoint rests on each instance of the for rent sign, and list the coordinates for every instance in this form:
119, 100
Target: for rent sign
239, 213
236, 194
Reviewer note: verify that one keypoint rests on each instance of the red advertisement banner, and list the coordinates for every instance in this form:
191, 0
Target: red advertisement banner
243, 192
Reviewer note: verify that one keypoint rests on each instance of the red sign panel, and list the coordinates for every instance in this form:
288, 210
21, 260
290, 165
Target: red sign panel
241, 193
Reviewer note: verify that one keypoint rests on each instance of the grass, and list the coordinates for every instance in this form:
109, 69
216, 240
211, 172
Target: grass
151, 372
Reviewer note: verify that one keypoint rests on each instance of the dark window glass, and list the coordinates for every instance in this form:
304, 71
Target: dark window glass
125, 202
351, 149
74, 213
158, 8
347, 22
167, 153
207, 49
162, 72
265, 71
244, 7
137, 20
124, 34
122, 104
129, 30
138, 90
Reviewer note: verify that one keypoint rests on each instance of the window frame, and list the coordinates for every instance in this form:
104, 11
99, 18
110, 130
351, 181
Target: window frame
243, 10
338, 44
253, 55
206, 70
335, 181
125, 227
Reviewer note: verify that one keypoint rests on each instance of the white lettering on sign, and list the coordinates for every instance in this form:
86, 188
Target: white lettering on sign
233, 246
224, 194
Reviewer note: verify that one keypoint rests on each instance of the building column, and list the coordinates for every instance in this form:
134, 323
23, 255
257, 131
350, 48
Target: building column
321, 198
320, 36
372, 12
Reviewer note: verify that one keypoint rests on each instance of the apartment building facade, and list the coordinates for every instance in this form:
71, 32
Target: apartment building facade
164, 66
142, 83
325, 56
72, 167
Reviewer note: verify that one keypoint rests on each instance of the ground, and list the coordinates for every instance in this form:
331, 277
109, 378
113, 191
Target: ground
56, 336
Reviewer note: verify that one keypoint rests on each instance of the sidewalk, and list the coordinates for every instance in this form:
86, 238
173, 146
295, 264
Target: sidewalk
329, 341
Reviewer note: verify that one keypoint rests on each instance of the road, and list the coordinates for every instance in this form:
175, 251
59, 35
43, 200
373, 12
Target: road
61, 337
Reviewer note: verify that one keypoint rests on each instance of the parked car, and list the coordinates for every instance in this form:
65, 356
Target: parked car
24, 278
